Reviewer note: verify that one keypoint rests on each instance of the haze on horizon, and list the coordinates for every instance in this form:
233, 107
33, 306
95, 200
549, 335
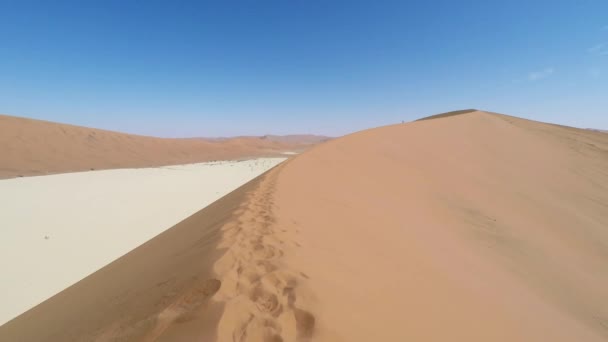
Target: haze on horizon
225, 69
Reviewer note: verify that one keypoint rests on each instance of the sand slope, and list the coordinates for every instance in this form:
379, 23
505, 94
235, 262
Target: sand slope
34, 147
473, 227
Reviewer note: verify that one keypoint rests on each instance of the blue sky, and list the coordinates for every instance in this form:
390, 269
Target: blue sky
217, 68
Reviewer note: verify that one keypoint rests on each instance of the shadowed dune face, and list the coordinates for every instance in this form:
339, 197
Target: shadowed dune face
448, 114
472, 227
33, 147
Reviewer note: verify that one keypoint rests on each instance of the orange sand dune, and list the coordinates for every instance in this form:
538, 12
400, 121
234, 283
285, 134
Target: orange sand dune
471, 227
34, 147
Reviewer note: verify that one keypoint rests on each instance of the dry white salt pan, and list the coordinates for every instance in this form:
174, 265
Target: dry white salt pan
57, 229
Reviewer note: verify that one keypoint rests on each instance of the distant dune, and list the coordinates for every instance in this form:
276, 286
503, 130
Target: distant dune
34, 147
297, 138
471, 227
598, 130
292, 139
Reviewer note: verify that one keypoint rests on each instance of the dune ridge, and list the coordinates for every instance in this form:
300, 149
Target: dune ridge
476, 227
262, 294
34, 147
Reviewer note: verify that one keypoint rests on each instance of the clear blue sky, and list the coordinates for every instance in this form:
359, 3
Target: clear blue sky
217, 68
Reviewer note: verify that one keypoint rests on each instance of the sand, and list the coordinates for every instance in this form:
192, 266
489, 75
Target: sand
34, 147
470, 227
58, 229
475, 227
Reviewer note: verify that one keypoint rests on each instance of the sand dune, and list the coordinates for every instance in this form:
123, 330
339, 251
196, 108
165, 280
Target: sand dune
598, 130
470, 227
34, 147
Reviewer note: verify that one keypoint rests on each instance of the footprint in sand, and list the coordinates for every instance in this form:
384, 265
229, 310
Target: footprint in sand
181, 309
305, 324
265, 301
266, 251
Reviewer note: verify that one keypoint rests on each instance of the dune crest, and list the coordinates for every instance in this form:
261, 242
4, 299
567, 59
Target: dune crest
260, 291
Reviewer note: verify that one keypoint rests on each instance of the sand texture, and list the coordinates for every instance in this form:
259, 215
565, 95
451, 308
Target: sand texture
471, 227
33, 147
